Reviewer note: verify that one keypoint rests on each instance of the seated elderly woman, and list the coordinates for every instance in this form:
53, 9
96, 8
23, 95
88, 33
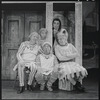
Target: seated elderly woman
26, 56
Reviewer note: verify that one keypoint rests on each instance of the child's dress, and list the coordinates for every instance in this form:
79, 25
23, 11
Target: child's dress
46, 67
68, 68
47, 64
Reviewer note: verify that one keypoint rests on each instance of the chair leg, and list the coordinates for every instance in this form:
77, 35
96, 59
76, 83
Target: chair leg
15, 81
26, 80
26, 76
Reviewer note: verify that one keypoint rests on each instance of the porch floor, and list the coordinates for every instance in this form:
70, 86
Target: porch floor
90, 83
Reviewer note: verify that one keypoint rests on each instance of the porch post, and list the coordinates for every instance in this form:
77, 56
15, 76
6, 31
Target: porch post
49, 18
78, 30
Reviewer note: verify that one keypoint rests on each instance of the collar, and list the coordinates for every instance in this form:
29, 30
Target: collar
47, 56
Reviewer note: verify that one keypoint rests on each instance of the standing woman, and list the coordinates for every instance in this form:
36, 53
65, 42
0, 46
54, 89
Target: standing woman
56, 28
26, 56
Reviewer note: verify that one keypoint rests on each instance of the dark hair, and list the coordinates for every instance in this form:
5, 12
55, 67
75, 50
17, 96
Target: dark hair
57, 19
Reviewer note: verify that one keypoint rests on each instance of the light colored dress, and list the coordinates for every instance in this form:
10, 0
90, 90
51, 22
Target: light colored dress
28, 54
47, 64
67, 67
47, 69
70, 67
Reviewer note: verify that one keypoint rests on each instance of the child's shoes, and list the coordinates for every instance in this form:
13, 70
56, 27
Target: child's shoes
42, 86
49, 88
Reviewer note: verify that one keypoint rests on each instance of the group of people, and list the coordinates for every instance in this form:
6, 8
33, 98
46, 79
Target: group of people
48, 63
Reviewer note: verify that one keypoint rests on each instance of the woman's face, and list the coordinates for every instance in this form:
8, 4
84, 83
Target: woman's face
43, 35
33, 39
56, 25
46, 48
62, 40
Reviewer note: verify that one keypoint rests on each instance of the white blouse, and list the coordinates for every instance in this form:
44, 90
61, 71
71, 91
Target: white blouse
26, 52
64, 53
47, 64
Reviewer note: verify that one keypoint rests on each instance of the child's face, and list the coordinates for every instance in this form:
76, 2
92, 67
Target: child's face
62, 40
56, 25
46, 48
43, 34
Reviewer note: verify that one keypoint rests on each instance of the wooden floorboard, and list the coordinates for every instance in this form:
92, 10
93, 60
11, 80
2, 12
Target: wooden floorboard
90, 83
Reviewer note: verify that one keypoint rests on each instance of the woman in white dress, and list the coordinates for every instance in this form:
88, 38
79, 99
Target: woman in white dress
68, 69
47, 65
26, 56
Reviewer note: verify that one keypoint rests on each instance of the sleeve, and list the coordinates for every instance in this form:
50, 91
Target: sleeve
38, 63
20, 51
74, 52
56, 65
39, 50
59, 56
55, 61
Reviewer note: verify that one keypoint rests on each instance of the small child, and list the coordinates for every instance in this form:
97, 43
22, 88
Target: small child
46, 67
68, 69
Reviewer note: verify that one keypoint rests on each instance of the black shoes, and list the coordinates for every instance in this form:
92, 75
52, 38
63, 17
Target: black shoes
79, 87
21, 89
29, 87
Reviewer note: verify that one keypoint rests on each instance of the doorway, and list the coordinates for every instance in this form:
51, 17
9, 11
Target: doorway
17, 26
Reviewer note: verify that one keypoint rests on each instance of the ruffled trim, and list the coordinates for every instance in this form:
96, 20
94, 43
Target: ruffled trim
70, 72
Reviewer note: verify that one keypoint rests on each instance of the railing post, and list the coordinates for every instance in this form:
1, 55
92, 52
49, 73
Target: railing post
49, 18
78, 30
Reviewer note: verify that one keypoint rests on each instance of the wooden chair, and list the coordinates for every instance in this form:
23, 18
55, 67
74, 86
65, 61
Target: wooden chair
15, 81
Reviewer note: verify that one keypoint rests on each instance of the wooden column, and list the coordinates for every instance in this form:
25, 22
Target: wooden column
49, 18
2, 20
78, 30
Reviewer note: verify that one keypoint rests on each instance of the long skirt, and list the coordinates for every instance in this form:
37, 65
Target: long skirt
69, 69
67, 72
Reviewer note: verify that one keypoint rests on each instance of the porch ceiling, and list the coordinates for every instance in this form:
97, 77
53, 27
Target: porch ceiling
24, 6
38, 6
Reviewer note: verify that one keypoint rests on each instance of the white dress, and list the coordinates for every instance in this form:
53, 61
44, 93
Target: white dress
28, 54
69, 68
47, 64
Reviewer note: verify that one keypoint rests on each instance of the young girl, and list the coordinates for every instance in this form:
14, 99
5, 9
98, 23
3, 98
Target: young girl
42, 36
68, 69
47, 68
